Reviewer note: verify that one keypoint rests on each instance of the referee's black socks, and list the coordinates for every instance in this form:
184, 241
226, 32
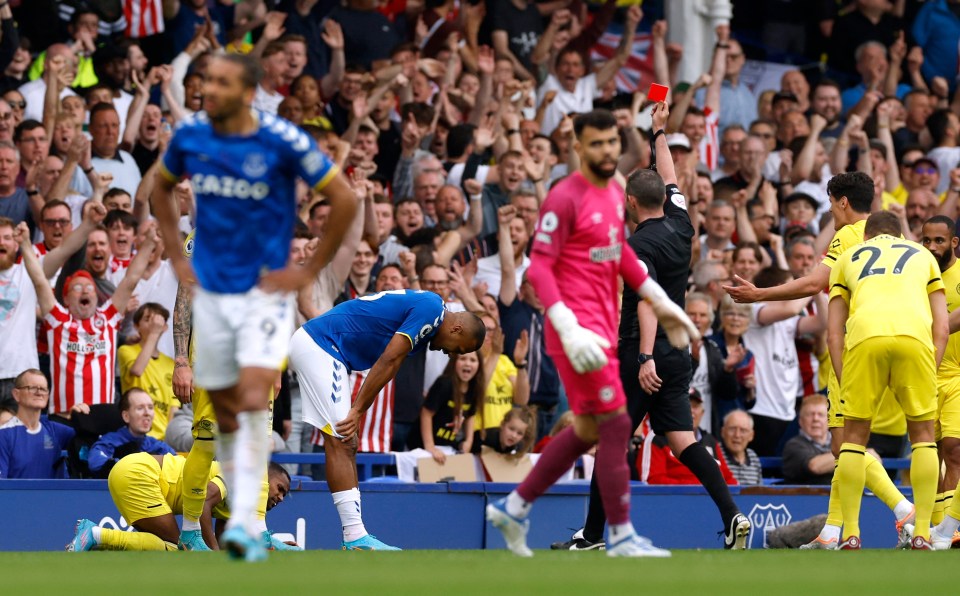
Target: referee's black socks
705, 468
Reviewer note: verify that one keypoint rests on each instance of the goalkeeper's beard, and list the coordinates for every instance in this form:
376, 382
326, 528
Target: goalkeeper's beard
599, 171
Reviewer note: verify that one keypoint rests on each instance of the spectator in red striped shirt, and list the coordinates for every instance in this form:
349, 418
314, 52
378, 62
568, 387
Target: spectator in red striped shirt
83, 336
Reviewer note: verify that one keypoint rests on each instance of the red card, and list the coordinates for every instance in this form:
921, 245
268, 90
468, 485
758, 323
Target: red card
657, 92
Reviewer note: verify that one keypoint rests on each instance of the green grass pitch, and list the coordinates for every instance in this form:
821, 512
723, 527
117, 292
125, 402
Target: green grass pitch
492, 573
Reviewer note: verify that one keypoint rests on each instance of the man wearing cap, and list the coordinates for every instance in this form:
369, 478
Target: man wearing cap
800, 209
83, 337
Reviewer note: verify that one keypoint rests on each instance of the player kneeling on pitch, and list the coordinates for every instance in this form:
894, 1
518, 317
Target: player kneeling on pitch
148, 492
374, 332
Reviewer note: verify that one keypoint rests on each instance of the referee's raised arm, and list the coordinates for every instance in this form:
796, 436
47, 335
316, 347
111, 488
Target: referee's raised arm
663, 159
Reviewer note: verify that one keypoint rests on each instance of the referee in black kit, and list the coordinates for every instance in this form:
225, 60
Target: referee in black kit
655, 375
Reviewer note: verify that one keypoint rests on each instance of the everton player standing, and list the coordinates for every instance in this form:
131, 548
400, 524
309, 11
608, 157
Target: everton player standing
243, 165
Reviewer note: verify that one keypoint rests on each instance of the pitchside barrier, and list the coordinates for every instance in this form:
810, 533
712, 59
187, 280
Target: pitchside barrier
41, 514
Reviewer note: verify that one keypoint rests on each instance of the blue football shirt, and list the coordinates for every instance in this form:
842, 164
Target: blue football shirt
25, 454
245, 187
357, 332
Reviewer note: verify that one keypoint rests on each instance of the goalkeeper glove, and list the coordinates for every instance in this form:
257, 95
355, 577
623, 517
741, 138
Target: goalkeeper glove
679, 328
583, 347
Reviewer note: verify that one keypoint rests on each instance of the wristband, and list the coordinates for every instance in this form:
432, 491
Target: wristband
413, 279
34, 192
476, 197
513, 131
653, 139
956, 190
87, 170
722, 46
521, 366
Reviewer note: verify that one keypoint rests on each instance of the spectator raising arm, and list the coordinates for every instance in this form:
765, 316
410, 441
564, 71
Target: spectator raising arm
661, 64
137, 266
892, 177
803, 162
141, 98
45, 299
508, 266
93, 214
333, 36
613, 66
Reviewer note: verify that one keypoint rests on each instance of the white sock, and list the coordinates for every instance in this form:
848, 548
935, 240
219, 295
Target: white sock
516, 506
619, 532
903, 509
96, 534
225, 446
830, 532
351, 518
190, 525
259, 526
948, 526
251, 457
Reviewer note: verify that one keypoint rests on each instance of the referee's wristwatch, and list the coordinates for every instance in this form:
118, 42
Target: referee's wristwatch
642, 358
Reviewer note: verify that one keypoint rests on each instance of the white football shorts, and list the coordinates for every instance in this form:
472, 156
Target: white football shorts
234, 331
325, 383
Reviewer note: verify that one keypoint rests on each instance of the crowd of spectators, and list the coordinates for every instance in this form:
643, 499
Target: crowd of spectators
452, 121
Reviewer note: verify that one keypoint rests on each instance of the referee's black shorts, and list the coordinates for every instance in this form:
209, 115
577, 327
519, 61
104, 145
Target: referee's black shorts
669, 408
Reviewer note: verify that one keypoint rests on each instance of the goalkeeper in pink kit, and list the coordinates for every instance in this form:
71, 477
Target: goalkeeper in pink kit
578, 252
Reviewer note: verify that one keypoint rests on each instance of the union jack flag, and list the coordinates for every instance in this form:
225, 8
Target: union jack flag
637, 73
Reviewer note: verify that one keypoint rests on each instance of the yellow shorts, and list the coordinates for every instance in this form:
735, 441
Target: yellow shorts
948, 408
135, 488
204, 418
903, 364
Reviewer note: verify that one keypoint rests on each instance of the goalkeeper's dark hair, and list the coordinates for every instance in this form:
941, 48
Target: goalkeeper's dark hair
598, 119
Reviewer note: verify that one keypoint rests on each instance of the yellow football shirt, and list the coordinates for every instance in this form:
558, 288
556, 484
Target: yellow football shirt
499, 396
847, 236
156, 380
950, 367
886, 281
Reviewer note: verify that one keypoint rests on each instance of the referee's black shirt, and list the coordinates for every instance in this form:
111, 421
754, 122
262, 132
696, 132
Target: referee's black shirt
663, 244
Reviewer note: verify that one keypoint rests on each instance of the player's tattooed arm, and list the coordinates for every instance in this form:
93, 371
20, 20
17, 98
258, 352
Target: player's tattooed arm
182, 322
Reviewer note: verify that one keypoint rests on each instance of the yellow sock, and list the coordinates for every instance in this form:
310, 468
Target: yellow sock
878, 482
924, 474
196, 470
834, 515
119, 540
262, 503
851, 474
938, 506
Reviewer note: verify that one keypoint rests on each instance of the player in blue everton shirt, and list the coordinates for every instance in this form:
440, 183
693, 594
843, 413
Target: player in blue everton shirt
243, 165
374, 332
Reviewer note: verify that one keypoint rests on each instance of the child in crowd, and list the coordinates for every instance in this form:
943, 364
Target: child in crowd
515, 435
447, 416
